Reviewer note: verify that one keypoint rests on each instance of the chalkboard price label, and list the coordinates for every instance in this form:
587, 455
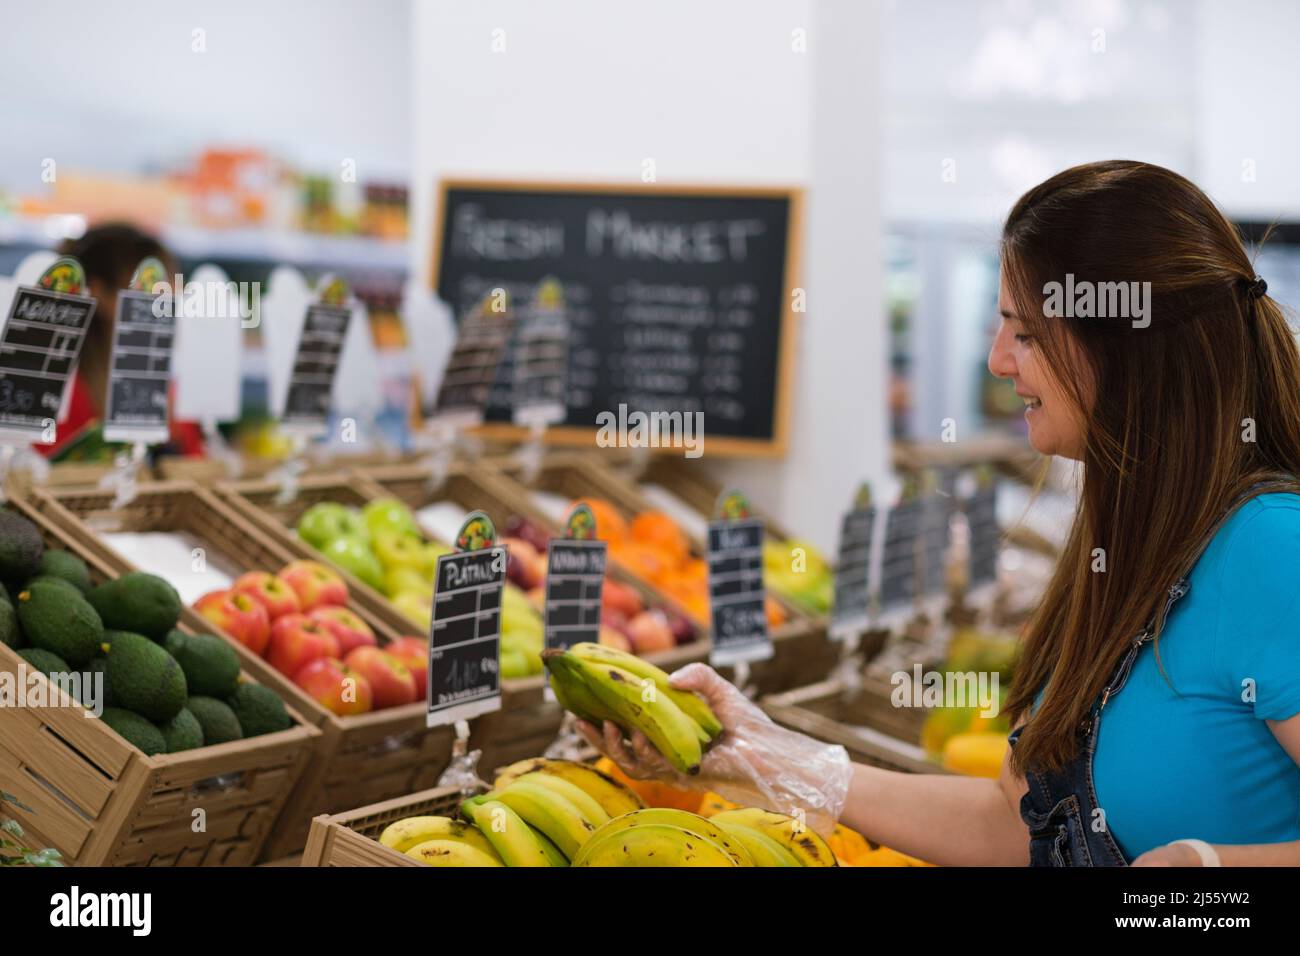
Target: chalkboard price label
140, 369
465, 633
481, 342
737, 596
936, 536
852, 609
311, 383
538, 359
985, 535
899, 569
575, 580
39, 347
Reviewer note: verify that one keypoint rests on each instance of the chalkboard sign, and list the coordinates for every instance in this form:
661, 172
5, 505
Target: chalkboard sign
898, 571
311, 383
679, 299
851, 613
139, 369
465, 633
575, 578
39, 348
985, 536
538, 363
737, 596
481, 340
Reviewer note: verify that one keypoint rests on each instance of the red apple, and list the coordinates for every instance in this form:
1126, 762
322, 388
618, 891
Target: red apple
336, 687
414, 653
296, 641
315, 584
650, 632
348, 629
521, 564
239, 615
614, 620
612, 638
389, 678
620, 597
683, 630
269, 591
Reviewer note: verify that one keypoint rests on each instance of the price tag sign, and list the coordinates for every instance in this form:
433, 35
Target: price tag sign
39, 347
481, 341
540, 359
737, 597
575, 580
852, 610
140, 365
465, 634
316, 361
936, 535
985, 535
898, 566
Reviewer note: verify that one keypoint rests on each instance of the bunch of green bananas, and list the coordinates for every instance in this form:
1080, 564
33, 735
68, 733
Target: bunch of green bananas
540, 813
599, 683
661, 836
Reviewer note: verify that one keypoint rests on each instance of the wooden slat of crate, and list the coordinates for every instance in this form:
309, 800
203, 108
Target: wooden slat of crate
351, 838
865, 723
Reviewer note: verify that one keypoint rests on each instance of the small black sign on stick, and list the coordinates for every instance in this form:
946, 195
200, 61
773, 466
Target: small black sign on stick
141, 362
465, 633
575, 580
851, 615
737, 597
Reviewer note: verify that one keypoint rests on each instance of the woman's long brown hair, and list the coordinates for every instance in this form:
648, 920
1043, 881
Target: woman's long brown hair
1167, 413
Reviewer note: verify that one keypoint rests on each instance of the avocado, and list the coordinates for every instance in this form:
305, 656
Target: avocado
11, 634
57, 582
182, 732
259, 710
21, 547
174, 640
136, 730
57, 619
137, 602
211, 665
44, 661
145, 678
100, 666
219, 723
64, 564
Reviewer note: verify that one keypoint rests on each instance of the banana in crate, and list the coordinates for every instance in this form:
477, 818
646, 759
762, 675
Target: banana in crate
598, 683
544, 813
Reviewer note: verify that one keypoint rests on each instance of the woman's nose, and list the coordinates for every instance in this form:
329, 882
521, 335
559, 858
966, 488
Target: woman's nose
1002, 362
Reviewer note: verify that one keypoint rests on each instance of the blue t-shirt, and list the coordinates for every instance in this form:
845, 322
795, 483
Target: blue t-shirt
1196, 760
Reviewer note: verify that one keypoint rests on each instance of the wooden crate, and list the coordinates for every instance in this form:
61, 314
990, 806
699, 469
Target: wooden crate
351, 838
527, 722
357, 759
864, 722
101, 802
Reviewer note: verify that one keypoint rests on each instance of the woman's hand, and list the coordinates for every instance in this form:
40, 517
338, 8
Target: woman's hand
1171, 854
754, 761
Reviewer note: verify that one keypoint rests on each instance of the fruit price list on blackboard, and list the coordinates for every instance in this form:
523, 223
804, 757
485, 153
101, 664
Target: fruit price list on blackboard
575, 578
985, 536
311, 383
39, 346
465, 636
898, 570
851, 612
675, 302
140, 369
737, 597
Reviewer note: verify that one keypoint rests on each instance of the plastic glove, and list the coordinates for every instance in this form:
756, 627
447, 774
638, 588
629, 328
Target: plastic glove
754, 762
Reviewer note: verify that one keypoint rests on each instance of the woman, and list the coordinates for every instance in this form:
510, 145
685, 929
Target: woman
1157, 703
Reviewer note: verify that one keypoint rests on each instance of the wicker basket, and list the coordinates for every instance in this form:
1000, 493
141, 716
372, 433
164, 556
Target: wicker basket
863, 721
351, 838
357, 759
101, 802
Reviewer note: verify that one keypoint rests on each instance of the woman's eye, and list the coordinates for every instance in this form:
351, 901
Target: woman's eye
1024, 339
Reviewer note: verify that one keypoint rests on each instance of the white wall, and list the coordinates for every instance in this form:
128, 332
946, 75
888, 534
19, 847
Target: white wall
118, 86
712, 92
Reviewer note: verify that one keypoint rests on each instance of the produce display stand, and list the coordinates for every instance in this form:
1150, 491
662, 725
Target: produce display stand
357, 759
101, 802
351, 838
802, 654
527, 721
863, 720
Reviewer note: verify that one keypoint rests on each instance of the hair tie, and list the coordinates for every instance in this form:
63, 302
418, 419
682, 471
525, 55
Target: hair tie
1257, 288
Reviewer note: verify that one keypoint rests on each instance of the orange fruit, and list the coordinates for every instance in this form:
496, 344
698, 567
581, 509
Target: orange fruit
654, 794
776, 615
655, 527
610, 525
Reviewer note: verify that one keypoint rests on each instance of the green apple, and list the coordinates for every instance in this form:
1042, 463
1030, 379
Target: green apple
389, 514
397, 550
322, 523
432, 552
353, 554
417, 609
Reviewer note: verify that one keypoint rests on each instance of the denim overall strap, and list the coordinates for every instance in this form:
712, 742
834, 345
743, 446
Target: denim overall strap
1066, 826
